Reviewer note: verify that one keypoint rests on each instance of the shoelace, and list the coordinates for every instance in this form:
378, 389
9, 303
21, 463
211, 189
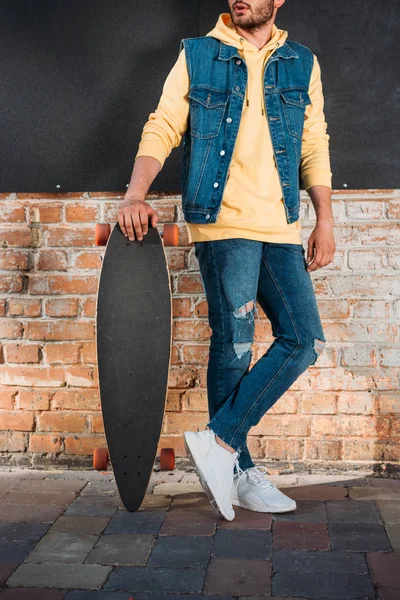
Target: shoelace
256, 475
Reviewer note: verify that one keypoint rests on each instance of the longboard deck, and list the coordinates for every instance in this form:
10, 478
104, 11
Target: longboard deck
133, 342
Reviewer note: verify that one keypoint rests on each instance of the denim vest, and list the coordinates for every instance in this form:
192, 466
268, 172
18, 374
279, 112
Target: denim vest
218, 79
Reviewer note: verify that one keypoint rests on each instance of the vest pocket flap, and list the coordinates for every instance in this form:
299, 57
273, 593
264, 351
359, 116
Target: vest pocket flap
297, 97
209, 98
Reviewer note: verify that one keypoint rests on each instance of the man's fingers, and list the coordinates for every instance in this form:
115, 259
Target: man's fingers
316, 263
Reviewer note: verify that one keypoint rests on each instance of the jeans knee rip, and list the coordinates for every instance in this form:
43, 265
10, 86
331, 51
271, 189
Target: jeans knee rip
244, 314
318, 347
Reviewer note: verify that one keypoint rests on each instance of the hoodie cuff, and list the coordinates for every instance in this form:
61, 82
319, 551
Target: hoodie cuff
153, 149
317, 177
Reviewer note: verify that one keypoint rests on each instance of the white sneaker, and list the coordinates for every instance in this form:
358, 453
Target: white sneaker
251, 490
214, 466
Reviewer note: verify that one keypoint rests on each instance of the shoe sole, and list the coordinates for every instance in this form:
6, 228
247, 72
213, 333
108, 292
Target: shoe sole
204, 483
236, 502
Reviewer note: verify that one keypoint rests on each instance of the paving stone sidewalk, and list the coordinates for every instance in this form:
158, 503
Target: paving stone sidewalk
64, 535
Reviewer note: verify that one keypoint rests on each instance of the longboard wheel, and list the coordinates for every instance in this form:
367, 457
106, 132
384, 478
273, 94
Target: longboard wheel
102, 233
100, 459
167, 459
171, 234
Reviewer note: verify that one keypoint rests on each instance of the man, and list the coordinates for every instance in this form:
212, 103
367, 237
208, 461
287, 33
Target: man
248, 104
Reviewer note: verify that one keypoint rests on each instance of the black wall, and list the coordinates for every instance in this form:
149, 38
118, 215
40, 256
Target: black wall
78, 79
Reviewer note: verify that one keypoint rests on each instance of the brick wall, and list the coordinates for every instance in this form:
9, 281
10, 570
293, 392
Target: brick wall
343, 412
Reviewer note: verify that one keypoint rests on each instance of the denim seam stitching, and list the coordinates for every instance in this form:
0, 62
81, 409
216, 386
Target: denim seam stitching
288, 358
222, 315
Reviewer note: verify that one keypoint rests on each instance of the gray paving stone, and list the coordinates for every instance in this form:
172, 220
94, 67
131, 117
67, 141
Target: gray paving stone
28, 593
96, 488
242, 543
393, 532
59, 575
70, 524
35, 514
359, 537
389, 510
93, 506
15, 551
305, 561
374, 493
330, 586
37, 499
146, 596
181, 551
23, 532
62, 547
136, 522
122, 549
95, 595
154, 579
311, 511
270, 598
49, 485
238, 577
353, 511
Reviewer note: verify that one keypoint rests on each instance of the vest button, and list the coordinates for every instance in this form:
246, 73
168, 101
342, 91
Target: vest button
216, 184
238, 62
207, 216
229, 120
222, 152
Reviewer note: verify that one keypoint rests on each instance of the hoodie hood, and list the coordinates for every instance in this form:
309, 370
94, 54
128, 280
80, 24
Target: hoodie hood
225, 31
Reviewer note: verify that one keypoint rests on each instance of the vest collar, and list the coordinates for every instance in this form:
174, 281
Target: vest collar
226, 52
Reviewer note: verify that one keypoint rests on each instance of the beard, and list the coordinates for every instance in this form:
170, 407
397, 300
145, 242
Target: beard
254, 18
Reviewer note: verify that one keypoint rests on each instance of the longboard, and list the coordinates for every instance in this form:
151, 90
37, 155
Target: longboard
133, 345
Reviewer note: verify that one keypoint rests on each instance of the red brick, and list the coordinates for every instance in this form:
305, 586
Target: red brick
27, 307
97, 424
59, 422
33, 399
180, 422
16, 237
87, 260
52, 260
7, 397
17, 420
50, 213
195, 400
83, 444
33, 375
283, 449
181, 307
326, 450
13, 283
62, 307
88, 353
12, 213
48, 444
81, 213
22, 353
12, 441
195, 354
82, 376
189, 283
316, 492
70, 236
62, 284
300, 536
58, 330
61, 353
385, 568
82, 399
190, 330
88, 307
14, 259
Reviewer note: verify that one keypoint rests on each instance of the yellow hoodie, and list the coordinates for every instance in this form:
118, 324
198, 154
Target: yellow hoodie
252, 204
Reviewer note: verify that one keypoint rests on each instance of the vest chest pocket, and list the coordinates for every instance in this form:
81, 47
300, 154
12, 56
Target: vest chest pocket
294, 103
207, 109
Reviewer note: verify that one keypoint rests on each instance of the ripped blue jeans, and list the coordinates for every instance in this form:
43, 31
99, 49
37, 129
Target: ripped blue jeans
235, 273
